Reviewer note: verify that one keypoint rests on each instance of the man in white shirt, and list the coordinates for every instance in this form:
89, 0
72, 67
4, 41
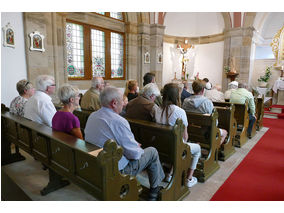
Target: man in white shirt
215, 94
39, 107
232, 86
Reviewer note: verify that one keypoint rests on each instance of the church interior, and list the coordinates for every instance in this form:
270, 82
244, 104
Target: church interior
179, 47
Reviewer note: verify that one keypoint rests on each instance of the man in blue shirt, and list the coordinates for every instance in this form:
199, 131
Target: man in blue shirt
106, 123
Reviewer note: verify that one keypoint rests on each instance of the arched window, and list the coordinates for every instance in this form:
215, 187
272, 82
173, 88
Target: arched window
94, 51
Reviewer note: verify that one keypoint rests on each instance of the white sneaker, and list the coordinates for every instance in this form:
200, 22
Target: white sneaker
191, 183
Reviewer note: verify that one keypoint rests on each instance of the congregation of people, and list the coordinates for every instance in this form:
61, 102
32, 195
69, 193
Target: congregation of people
112, 107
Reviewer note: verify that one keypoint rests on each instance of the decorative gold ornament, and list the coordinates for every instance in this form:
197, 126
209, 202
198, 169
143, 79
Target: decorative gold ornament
276, 45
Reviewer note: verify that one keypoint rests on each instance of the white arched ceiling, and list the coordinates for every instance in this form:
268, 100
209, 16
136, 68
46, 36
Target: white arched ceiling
193, 24
272, 24
267, 24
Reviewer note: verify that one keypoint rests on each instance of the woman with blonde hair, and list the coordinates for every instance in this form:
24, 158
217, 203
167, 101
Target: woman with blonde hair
64, 120
131, 88
25, 90
168, 114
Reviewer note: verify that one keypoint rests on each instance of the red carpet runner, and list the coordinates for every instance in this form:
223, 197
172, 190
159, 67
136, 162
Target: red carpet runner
260, 176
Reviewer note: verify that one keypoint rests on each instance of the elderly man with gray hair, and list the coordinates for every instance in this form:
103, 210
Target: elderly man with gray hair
142, 107
106, 123
232, 86
215, 94
39, 107
90, 100
240, 96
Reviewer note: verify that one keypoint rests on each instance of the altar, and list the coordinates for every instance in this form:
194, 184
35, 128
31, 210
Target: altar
278, 91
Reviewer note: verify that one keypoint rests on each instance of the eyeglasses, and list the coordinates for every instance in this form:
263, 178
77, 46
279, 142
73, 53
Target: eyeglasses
26, 84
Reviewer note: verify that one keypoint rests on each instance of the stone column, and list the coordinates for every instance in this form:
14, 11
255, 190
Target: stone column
156, 43
238, 44
131, 50
143, 47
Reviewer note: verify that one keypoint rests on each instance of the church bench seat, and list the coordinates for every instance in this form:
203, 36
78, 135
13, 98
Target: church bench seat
167, 140
259, 107
92, 168
227, 121
242, 118
169, 144
202, 129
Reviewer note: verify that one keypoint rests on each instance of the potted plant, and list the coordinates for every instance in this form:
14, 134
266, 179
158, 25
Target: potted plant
265, 78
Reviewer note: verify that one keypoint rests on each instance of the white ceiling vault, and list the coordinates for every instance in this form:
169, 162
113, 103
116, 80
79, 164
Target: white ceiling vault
193, 24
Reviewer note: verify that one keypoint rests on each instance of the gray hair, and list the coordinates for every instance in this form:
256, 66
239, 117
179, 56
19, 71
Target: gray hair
66, 91
151, 89
108, 94
242, 85
23, 85
233, 86
43, 81
97, 81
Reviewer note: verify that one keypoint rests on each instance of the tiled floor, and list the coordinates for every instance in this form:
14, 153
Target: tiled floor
31, 178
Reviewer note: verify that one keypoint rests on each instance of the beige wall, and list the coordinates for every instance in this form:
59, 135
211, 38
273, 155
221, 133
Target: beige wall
259, 70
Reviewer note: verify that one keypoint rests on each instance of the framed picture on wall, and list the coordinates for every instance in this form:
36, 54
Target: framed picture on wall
147, 58
160, 58
37, 41
8, 36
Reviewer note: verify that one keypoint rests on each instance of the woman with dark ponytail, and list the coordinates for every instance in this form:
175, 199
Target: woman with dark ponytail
168, 114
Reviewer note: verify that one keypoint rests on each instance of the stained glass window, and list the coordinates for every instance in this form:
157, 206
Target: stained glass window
94, 51
98, 52
75, 50
116, 55
117, 15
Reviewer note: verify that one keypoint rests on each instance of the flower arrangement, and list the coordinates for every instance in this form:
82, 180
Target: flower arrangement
266, 76
227, 69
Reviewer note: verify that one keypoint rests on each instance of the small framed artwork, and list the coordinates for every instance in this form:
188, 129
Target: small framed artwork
147, 58
160, 58
9, 36
37, 42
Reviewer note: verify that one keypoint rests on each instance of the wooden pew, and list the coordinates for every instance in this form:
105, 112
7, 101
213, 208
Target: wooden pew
242, 118
168, 141
227, 121
202, 129
93, 169
259, 107
169, 144
7, 154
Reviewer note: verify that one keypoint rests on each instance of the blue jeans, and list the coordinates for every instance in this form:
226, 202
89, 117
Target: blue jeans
251, 122
149, 161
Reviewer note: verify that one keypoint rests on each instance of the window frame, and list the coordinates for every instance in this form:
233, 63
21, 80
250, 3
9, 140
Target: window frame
88, 71
107, 14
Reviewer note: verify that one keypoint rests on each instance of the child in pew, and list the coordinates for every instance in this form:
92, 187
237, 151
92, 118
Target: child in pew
168, 114
64, 120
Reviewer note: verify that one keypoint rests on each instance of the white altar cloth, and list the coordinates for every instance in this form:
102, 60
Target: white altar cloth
278, 85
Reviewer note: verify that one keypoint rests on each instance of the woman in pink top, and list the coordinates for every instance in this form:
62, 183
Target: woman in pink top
64, 120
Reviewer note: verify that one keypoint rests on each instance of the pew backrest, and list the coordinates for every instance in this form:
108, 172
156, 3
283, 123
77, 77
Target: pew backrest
169, 144
93, 168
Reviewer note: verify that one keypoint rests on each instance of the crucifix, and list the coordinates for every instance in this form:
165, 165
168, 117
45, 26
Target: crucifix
184, 47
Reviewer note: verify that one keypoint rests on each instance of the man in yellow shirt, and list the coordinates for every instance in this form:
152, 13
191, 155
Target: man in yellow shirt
91, 100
